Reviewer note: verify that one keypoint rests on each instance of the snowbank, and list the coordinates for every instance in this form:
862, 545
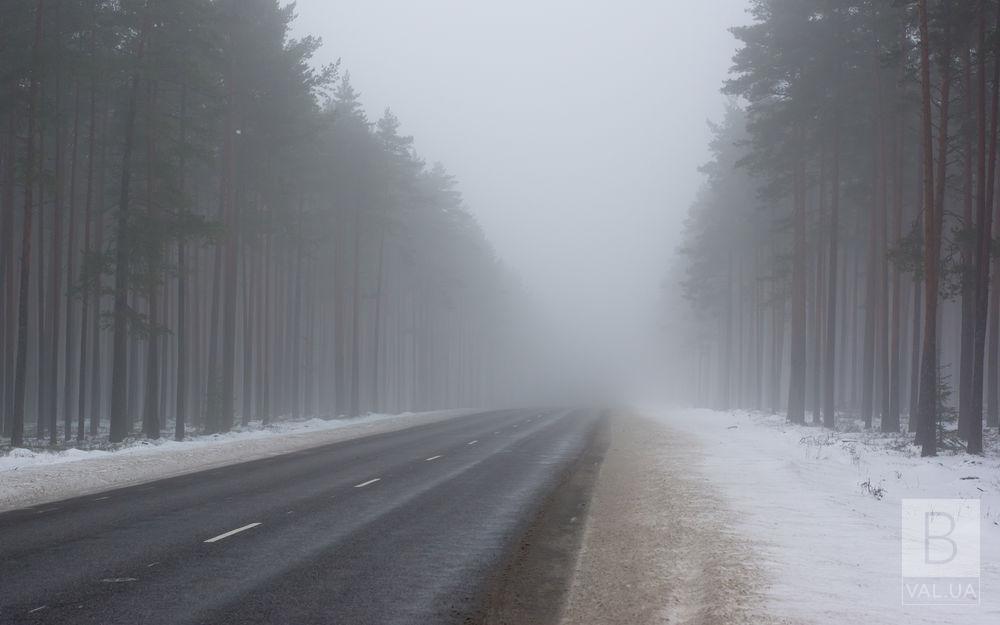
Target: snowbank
824, 509
33, 478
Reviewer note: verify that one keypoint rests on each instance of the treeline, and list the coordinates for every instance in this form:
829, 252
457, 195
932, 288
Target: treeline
844, 244
199, 227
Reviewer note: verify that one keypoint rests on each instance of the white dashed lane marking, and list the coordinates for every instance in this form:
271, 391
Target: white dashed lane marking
368, 483
432, 458
472, 442
119, 580
231, 533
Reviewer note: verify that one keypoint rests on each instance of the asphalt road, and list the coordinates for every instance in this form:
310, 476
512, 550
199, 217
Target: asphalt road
403, 527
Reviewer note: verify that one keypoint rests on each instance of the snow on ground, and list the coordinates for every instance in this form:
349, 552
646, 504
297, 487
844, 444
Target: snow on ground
658, 545
38, 477
825, 512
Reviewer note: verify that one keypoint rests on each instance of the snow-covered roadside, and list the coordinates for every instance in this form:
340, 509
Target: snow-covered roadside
32, 478
831, 543
658, 546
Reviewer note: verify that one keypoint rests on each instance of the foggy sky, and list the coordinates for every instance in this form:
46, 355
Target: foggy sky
575, 128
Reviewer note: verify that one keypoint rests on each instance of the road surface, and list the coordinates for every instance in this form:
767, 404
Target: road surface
403, 527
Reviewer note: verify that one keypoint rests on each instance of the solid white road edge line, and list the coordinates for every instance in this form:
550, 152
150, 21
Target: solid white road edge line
368, 483
232, 532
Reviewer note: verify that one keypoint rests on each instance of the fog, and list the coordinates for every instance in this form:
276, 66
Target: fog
510, 311
575, 130
257, 185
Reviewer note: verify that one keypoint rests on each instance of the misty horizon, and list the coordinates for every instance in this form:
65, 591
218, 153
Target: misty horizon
575, 132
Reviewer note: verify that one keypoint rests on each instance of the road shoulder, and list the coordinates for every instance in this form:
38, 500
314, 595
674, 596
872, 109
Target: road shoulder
658, 545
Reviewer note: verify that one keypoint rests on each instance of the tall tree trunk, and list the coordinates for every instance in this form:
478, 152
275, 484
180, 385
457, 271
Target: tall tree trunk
891, 420
119, 368
249, 281
181, 403
268, 324
819, 305
261, 316
758, 397
341, 329
993, 372
212, 393
377, 339
916, 331
726, 355
356, 320
51, 384
151, 405
97, 377
973, 429
879, 261
231, 248
296, 313
868, 353
797, 382
20, 375
969, 246
933, 212
42, 350
829, 406
8, 347
69, 380
97, 373
85, 303
778, 297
